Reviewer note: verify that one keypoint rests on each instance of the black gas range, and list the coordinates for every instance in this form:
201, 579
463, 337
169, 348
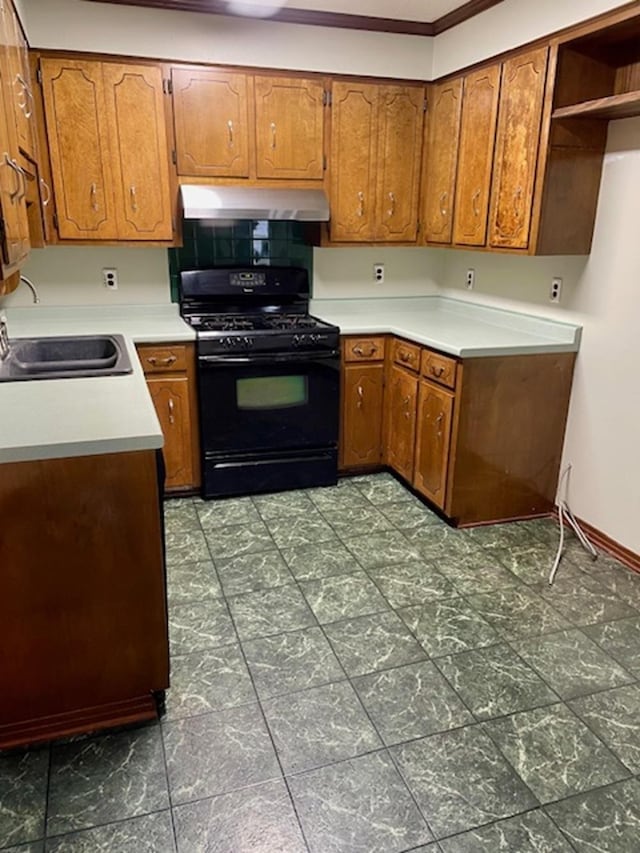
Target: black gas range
268, 380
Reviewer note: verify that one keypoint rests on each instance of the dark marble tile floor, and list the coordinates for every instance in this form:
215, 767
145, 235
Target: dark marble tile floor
351, 675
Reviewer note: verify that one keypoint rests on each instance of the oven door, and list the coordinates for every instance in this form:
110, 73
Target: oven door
257, 403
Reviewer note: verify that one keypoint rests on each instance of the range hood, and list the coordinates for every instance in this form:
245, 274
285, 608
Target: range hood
227, 203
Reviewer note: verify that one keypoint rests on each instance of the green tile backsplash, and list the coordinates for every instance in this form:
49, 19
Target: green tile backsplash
250, 242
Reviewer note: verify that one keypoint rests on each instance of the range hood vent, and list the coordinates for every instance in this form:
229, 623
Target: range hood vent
227, 203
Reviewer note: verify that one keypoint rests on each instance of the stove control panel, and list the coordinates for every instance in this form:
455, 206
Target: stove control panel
236, 342
307, 339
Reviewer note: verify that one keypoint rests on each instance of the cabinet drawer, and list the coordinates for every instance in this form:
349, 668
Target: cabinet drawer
438, 368
363, 349
406, 355
163, 359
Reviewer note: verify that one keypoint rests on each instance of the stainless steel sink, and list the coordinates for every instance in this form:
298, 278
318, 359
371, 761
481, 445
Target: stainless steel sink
65, 357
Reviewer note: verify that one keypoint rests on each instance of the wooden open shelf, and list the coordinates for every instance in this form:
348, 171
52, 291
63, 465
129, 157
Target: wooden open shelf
624, 105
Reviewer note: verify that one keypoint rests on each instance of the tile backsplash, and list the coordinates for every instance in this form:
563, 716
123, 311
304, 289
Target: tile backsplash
250, 242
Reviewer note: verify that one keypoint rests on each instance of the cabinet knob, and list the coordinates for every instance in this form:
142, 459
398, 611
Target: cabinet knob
405, 357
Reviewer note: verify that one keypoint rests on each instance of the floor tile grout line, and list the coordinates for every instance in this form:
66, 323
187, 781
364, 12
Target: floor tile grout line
166, 776
48, 793
101, 825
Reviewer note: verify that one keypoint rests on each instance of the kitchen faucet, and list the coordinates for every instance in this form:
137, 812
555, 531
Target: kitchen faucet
32, 288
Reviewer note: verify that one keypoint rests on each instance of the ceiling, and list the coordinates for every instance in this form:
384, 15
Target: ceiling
417, 17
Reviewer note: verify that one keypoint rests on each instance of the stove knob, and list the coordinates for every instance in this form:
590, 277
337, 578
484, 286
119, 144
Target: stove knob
296, 340
247, 342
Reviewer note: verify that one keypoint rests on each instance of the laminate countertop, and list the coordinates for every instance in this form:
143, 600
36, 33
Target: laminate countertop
452, 326
84, 416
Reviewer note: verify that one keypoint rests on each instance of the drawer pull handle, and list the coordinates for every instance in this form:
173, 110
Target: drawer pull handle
405, 403
360, 396
360, 204
230, 129
439, 420
437, 371
273, 135
359, 351
154, 360
406, 357
443, 209
134, 200
474, 202
172, 420
392, 208
93, 192
45, 186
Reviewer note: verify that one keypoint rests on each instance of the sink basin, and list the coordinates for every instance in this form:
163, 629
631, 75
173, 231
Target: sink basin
65, 357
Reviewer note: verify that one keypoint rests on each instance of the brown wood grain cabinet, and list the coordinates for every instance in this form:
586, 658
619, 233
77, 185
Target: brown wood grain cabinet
289, 128
212, 122
433, 437
516, 154
83, 604
105, 125
14, 128
362, 391
170, 373
400, 403
441, 159
376, 137
475, 156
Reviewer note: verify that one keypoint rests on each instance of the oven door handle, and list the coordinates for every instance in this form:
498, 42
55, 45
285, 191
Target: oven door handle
267, 358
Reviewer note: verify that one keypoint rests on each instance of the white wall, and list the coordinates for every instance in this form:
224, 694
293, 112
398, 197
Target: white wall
348, 273
601, 292
194, 37
70, 275
508, 25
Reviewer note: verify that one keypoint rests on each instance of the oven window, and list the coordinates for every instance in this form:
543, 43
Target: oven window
272, 392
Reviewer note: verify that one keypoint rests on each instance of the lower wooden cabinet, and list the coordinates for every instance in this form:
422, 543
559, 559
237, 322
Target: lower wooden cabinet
170, 373
480, 438
433, 439
362, 394
400, 420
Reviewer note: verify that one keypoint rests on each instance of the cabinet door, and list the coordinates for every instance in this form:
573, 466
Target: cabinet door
400, 119
78, 137
289, 128
171, 400
20, 82
15, 229
138, 142
514, 171
445, 102
211, 114
353, 161
435, 410
400, 433
362, 390
475, 157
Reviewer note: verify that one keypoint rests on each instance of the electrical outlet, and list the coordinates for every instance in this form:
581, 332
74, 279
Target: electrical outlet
110, 278
378, 273
556, 289
470, 279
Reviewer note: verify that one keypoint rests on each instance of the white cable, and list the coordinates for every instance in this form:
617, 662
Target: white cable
565, 510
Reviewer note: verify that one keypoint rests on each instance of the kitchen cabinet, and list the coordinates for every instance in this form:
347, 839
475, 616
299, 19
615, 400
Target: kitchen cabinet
433, 437
170, 373
475, 156
13, 188
83, 604
376, 134
441, 158
111, 175
212, 126
400, 420
362, 400
516, 154
289, 128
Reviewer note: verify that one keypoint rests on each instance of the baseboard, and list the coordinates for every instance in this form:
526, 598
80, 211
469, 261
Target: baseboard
606, 543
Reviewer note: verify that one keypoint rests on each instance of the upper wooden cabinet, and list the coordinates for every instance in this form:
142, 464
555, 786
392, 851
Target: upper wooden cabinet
13, 182
289, 128
516, 155
230, 124
211, 115
376, 135
475, 157
353, 160
441, 158
105, 126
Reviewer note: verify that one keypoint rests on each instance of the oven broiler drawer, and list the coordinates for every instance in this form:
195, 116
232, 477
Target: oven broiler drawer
250, 474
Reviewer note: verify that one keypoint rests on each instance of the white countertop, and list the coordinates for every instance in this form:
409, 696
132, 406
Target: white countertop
460, 328
54, 418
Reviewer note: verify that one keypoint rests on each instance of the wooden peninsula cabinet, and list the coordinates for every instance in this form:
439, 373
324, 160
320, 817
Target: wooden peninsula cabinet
480, 438
83, 605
